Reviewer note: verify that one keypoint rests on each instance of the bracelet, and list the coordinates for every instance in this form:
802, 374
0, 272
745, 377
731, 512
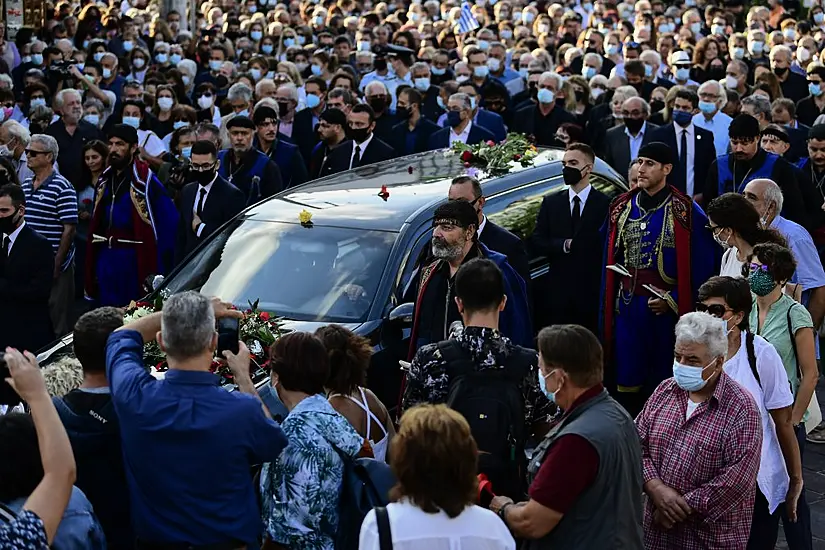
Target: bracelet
501, 512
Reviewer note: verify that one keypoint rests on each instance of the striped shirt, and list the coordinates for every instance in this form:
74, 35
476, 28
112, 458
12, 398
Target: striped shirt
49, 207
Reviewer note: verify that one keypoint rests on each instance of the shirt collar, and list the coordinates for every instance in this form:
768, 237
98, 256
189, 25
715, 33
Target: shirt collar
586, 396
191, 377
13, 235
208, 186
363, 145
583, 194
679, 129
481, 225
639, 135
465, 132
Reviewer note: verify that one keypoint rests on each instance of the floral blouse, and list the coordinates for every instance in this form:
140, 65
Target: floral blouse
26, 532
301, 489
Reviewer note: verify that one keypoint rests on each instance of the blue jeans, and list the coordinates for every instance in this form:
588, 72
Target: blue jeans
798, 534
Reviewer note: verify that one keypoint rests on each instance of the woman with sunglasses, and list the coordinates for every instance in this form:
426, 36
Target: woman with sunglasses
756, 366
787, 325
736, 226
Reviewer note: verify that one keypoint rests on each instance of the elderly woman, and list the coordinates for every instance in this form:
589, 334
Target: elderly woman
736, 226
300, 491
757, 367
712, 425
434, 457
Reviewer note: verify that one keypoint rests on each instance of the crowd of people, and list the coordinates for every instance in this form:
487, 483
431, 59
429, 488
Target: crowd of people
657, 391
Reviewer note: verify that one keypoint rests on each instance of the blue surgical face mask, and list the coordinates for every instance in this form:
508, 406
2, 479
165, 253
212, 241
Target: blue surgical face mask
546, 96
38, 102
256, 74
313, 101
267, 49
648, 71
175, 58
179, 124
690, 378
437, 71
256, 35
215, 65
422, 84
98, 56
589, 72
37, 58
550, 395
186, 152
440, 103
92, 119
814, 89
683, 74
161, 58
481, 71
316, 70
132, 121
707, 107
128, 46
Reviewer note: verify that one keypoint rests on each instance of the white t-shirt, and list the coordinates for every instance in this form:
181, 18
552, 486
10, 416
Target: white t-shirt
413, 529
774, 393
691, 407
731, 266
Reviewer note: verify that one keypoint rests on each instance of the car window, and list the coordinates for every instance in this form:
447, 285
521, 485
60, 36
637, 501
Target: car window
327, 274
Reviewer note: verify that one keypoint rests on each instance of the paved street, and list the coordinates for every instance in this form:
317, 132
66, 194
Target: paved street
814, 466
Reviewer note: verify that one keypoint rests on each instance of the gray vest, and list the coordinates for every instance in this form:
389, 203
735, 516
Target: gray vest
608, 514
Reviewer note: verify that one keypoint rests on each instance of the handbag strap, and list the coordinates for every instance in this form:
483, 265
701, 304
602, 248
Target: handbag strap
382, 518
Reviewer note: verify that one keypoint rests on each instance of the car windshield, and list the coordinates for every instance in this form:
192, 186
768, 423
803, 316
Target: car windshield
327, 274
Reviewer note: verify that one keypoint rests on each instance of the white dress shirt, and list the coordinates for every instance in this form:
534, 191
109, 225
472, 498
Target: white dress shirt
362, 146
13, 236
636, 142
718, 125
583, 194
690, 189
206, 188
463, 136
481, 226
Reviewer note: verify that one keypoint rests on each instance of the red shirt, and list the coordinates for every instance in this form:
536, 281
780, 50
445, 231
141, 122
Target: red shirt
569, 467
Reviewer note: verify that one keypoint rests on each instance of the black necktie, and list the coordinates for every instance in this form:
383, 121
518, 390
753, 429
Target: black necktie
5, 248
577, 211
356, 159
683, 156
201, 201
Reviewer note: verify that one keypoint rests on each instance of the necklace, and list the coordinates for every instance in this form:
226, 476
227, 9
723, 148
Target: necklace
818, 181
646, 214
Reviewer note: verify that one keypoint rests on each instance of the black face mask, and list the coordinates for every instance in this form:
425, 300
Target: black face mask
283, 108
380, 64
403, 113
579, 95
359, 135
716, 73
656, 106
780, 71
203, 178
571, 175
8, 223
634, 124
378, 103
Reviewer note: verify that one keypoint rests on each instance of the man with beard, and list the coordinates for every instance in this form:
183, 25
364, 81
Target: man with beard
659, 252
133, 225
814, 165
245, 167
431, 288
747, 162
331, 131
285, 155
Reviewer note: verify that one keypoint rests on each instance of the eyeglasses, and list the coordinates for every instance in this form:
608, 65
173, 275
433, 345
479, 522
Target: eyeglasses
713, 228
717, 310
202, 167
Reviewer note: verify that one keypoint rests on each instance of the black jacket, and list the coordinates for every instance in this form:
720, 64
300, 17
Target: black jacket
424, 129
617, 147
573, 285
498, 239
441, 138
303, 133
25, 285
256, 175
223, 203
704, 153
338, 159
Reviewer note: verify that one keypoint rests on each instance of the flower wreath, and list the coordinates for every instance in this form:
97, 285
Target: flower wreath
496, 158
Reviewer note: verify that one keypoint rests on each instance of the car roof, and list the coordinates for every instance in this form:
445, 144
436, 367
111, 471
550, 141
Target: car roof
414, 183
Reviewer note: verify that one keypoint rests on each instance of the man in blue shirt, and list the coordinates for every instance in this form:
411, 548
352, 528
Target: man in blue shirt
188, 444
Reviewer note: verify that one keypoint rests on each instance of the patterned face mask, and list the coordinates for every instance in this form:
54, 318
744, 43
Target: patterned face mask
760, 281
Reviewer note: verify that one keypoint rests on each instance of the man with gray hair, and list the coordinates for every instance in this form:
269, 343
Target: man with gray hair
759, 107
543, 118
460, 126
71, 133
622, 143
794, 86
188, 416
14, 138
706, 495
51, 210
712, 98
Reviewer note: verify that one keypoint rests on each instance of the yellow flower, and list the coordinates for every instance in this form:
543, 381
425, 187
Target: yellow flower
305, 216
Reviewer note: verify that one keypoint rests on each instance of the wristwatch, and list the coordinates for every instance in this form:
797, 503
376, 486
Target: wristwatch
501, 512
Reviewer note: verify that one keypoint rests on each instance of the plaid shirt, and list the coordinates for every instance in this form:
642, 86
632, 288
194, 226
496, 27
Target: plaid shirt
711, 459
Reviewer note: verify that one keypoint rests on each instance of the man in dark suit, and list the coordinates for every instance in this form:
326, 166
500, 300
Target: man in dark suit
286, 155
693, 145
622, 143
783, 113
331, 130
207, 203
303, 124
26, 271
412, 135
364, 147
542, 118
460, 126
494, 237
568, 232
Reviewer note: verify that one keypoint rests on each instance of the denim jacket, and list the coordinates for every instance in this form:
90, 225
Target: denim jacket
79, 528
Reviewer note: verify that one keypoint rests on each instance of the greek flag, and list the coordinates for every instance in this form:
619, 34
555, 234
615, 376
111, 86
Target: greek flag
466, 21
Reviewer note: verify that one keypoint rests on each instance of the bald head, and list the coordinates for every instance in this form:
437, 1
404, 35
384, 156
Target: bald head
766, 197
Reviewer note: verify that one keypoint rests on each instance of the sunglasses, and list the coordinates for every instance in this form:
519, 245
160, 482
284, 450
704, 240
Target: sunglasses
33, 153
717, 310
757, 267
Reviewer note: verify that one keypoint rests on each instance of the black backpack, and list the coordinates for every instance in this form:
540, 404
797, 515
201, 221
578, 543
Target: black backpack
366, 485
492, 402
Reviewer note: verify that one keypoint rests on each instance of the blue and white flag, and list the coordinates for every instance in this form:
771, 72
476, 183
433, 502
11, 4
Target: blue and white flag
467, 21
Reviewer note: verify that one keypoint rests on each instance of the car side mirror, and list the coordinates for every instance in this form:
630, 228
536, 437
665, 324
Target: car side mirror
402, 313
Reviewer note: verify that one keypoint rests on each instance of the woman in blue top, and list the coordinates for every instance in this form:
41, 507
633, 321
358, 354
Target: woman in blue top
301, 490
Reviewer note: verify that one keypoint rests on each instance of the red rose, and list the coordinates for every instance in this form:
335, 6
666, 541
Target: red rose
467, 156
264, 316
87, 201
466, 165
491, 142
409, 169
516, 157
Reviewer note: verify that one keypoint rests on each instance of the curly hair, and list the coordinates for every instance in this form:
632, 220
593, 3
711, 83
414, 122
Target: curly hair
435, 459
349, 358
734, 211
779, 259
